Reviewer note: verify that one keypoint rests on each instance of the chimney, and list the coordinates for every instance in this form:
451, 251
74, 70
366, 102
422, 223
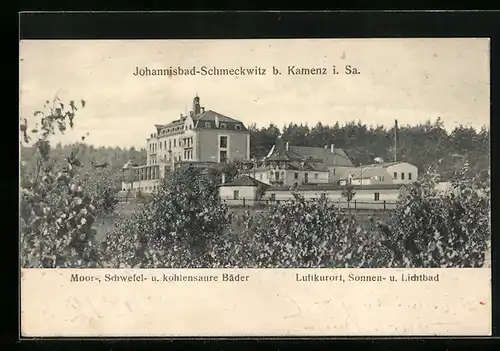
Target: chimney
223, 178
332, 148
286, 146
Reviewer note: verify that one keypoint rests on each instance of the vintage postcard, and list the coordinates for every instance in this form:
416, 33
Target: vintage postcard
255, 187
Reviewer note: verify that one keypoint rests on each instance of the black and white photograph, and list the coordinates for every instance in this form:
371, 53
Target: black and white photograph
161, 154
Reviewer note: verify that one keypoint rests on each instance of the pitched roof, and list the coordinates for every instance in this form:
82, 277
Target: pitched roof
244, 180
294, 165
201, 120
337, 158
211, 116
280, 153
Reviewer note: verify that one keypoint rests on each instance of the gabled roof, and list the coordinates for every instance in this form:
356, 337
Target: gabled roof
337, 158
244, 180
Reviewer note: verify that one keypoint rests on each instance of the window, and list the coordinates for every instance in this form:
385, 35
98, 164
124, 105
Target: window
170, 144
175, 141
223, 142
236, 194
316, 176
207, 125
296, 175
223, 125
409, 176
273, 197
238, 127
377, 196
161, 145
402, 176
395, 176
277, 175
334, 171
223, 156
306, 178
260, 176
382, 178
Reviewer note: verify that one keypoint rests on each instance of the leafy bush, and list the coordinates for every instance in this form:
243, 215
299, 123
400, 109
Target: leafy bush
451, 230
178, 228
185, 226
102, 186
56, 216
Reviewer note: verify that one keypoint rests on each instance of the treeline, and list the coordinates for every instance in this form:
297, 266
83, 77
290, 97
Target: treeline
422, 145
89, 156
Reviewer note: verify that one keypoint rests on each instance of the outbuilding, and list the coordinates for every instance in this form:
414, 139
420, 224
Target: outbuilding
243, 189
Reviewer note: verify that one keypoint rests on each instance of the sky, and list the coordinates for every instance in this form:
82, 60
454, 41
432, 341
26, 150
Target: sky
411, 80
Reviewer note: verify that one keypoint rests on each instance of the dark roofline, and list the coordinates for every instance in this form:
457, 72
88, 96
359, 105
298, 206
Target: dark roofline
234, 182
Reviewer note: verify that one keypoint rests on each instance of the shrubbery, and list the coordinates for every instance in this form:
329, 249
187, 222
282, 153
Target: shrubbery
450, 230
102, 186
56, 216
186, 225
179, 228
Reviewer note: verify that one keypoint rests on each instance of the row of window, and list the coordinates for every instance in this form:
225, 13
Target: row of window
376, 196
295, 176
222, 126
176, 142
395, 176
175, 129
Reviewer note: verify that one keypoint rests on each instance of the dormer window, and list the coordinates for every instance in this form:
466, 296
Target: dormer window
238, 127
223, 126
207, 125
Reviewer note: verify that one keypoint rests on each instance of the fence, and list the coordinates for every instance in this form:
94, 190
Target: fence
382, 205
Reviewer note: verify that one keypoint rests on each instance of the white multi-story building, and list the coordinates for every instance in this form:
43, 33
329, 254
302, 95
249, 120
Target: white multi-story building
202, 138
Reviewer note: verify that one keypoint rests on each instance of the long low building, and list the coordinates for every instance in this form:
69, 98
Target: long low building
246, 190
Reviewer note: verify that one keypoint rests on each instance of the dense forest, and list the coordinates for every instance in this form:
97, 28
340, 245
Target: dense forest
89, 155
422, 145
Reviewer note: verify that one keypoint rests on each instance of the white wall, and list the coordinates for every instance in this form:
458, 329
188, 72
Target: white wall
405, 168
338, 172
389, 195
247, 192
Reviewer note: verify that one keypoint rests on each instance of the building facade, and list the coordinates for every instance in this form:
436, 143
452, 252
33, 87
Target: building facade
202, 138
284, 167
